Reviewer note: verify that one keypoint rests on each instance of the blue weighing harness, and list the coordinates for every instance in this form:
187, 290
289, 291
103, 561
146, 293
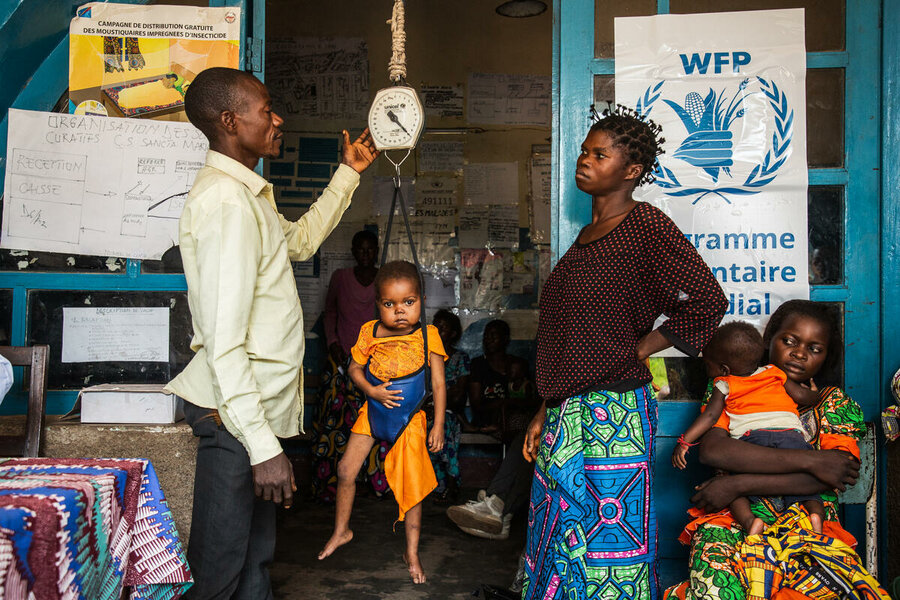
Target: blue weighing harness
388, 423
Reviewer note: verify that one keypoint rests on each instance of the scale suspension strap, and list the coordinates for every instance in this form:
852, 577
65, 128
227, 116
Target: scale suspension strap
398, 194
397, 65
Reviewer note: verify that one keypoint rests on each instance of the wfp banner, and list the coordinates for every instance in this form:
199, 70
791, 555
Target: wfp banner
138, 61
729, 90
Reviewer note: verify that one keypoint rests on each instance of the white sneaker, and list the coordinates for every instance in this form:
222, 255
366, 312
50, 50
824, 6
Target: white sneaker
504, 532
485, 515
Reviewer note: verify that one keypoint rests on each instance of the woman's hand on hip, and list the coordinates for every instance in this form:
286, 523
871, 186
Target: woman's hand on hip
533, 434
650, 344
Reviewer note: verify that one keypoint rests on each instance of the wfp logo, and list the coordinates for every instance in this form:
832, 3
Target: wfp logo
709, 143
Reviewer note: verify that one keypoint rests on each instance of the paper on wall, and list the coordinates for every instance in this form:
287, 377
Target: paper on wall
540, 198
502, 99
544, 266
481, 279
503, 226
436, 197
318, 78
520, 274
431, 234
113, 334
473, 226
442, 101
492, 183
97, 185
440, 289
440, 156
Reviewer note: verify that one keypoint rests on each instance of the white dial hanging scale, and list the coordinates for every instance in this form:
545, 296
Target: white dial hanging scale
396, 118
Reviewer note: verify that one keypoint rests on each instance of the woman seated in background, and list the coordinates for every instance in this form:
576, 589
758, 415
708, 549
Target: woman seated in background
349, 304
489, 386
803, 339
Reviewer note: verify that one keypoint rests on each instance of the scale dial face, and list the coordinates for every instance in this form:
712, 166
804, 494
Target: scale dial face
396, 118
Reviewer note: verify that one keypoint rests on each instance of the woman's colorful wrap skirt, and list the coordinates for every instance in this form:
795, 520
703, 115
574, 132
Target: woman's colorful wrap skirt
592, 522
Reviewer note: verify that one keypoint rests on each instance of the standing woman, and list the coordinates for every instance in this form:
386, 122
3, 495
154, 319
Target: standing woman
349, 304
592, 523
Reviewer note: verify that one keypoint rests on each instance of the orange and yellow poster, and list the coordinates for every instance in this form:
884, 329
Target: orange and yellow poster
138, 61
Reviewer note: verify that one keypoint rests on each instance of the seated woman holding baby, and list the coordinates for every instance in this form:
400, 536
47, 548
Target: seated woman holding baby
802, 340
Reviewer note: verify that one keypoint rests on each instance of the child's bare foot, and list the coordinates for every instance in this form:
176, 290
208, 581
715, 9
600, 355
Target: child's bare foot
416, 572
334, 542
816, 521
756, 526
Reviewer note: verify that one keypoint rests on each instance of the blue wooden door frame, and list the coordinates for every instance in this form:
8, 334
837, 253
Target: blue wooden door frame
41, 92
866, 290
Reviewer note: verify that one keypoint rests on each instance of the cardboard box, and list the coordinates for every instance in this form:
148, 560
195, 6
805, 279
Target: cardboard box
129, 403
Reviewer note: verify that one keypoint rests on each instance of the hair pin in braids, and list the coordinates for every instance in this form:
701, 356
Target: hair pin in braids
639, 134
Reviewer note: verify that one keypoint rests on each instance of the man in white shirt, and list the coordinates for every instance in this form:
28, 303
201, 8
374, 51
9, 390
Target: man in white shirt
243, 387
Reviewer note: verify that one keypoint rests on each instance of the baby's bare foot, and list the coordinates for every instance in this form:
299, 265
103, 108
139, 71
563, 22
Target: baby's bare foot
416, 572
756, 526
816, 521
337, 540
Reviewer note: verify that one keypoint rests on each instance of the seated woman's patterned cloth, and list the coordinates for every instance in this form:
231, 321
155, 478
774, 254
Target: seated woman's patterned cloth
789, 560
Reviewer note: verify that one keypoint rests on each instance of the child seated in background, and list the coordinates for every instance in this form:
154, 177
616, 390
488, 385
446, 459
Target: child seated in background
489, 383
456, 375
388, 365
759, 405
521, 402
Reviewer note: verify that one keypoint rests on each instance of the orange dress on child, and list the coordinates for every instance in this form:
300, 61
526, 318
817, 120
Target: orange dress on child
407, 465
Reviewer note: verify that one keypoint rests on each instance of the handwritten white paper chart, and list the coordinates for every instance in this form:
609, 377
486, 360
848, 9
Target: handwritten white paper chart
126, 334
97, 185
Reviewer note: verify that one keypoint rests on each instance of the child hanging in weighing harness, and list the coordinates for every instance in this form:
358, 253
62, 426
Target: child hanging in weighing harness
389, 367
759, 405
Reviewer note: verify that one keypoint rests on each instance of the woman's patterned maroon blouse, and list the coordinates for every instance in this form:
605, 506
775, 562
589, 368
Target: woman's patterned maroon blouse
604, 296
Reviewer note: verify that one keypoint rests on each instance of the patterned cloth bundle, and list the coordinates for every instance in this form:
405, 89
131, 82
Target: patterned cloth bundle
87, 528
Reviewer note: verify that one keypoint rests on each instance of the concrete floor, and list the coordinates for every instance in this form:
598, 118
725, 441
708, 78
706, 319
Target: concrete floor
371, 567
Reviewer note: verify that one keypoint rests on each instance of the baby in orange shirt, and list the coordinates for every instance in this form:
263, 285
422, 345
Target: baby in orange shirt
756, 404
389, 367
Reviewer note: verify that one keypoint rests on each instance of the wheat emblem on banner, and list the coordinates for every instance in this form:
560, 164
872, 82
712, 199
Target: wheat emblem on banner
709, 142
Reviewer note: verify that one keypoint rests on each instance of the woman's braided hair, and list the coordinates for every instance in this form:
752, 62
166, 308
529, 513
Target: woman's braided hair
636, 134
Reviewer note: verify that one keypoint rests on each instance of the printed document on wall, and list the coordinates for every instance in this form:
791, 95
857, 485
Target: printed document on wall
103, 186
126, 334
729, 90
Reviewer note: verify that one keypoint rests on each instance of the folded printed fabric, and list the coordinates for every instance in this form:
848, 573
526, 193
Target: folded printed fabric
789, 558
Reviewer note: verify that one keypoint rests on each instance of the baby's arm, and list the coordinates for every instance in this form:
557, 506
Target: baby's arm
701, 425
439, 391
802, 395
389, 398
